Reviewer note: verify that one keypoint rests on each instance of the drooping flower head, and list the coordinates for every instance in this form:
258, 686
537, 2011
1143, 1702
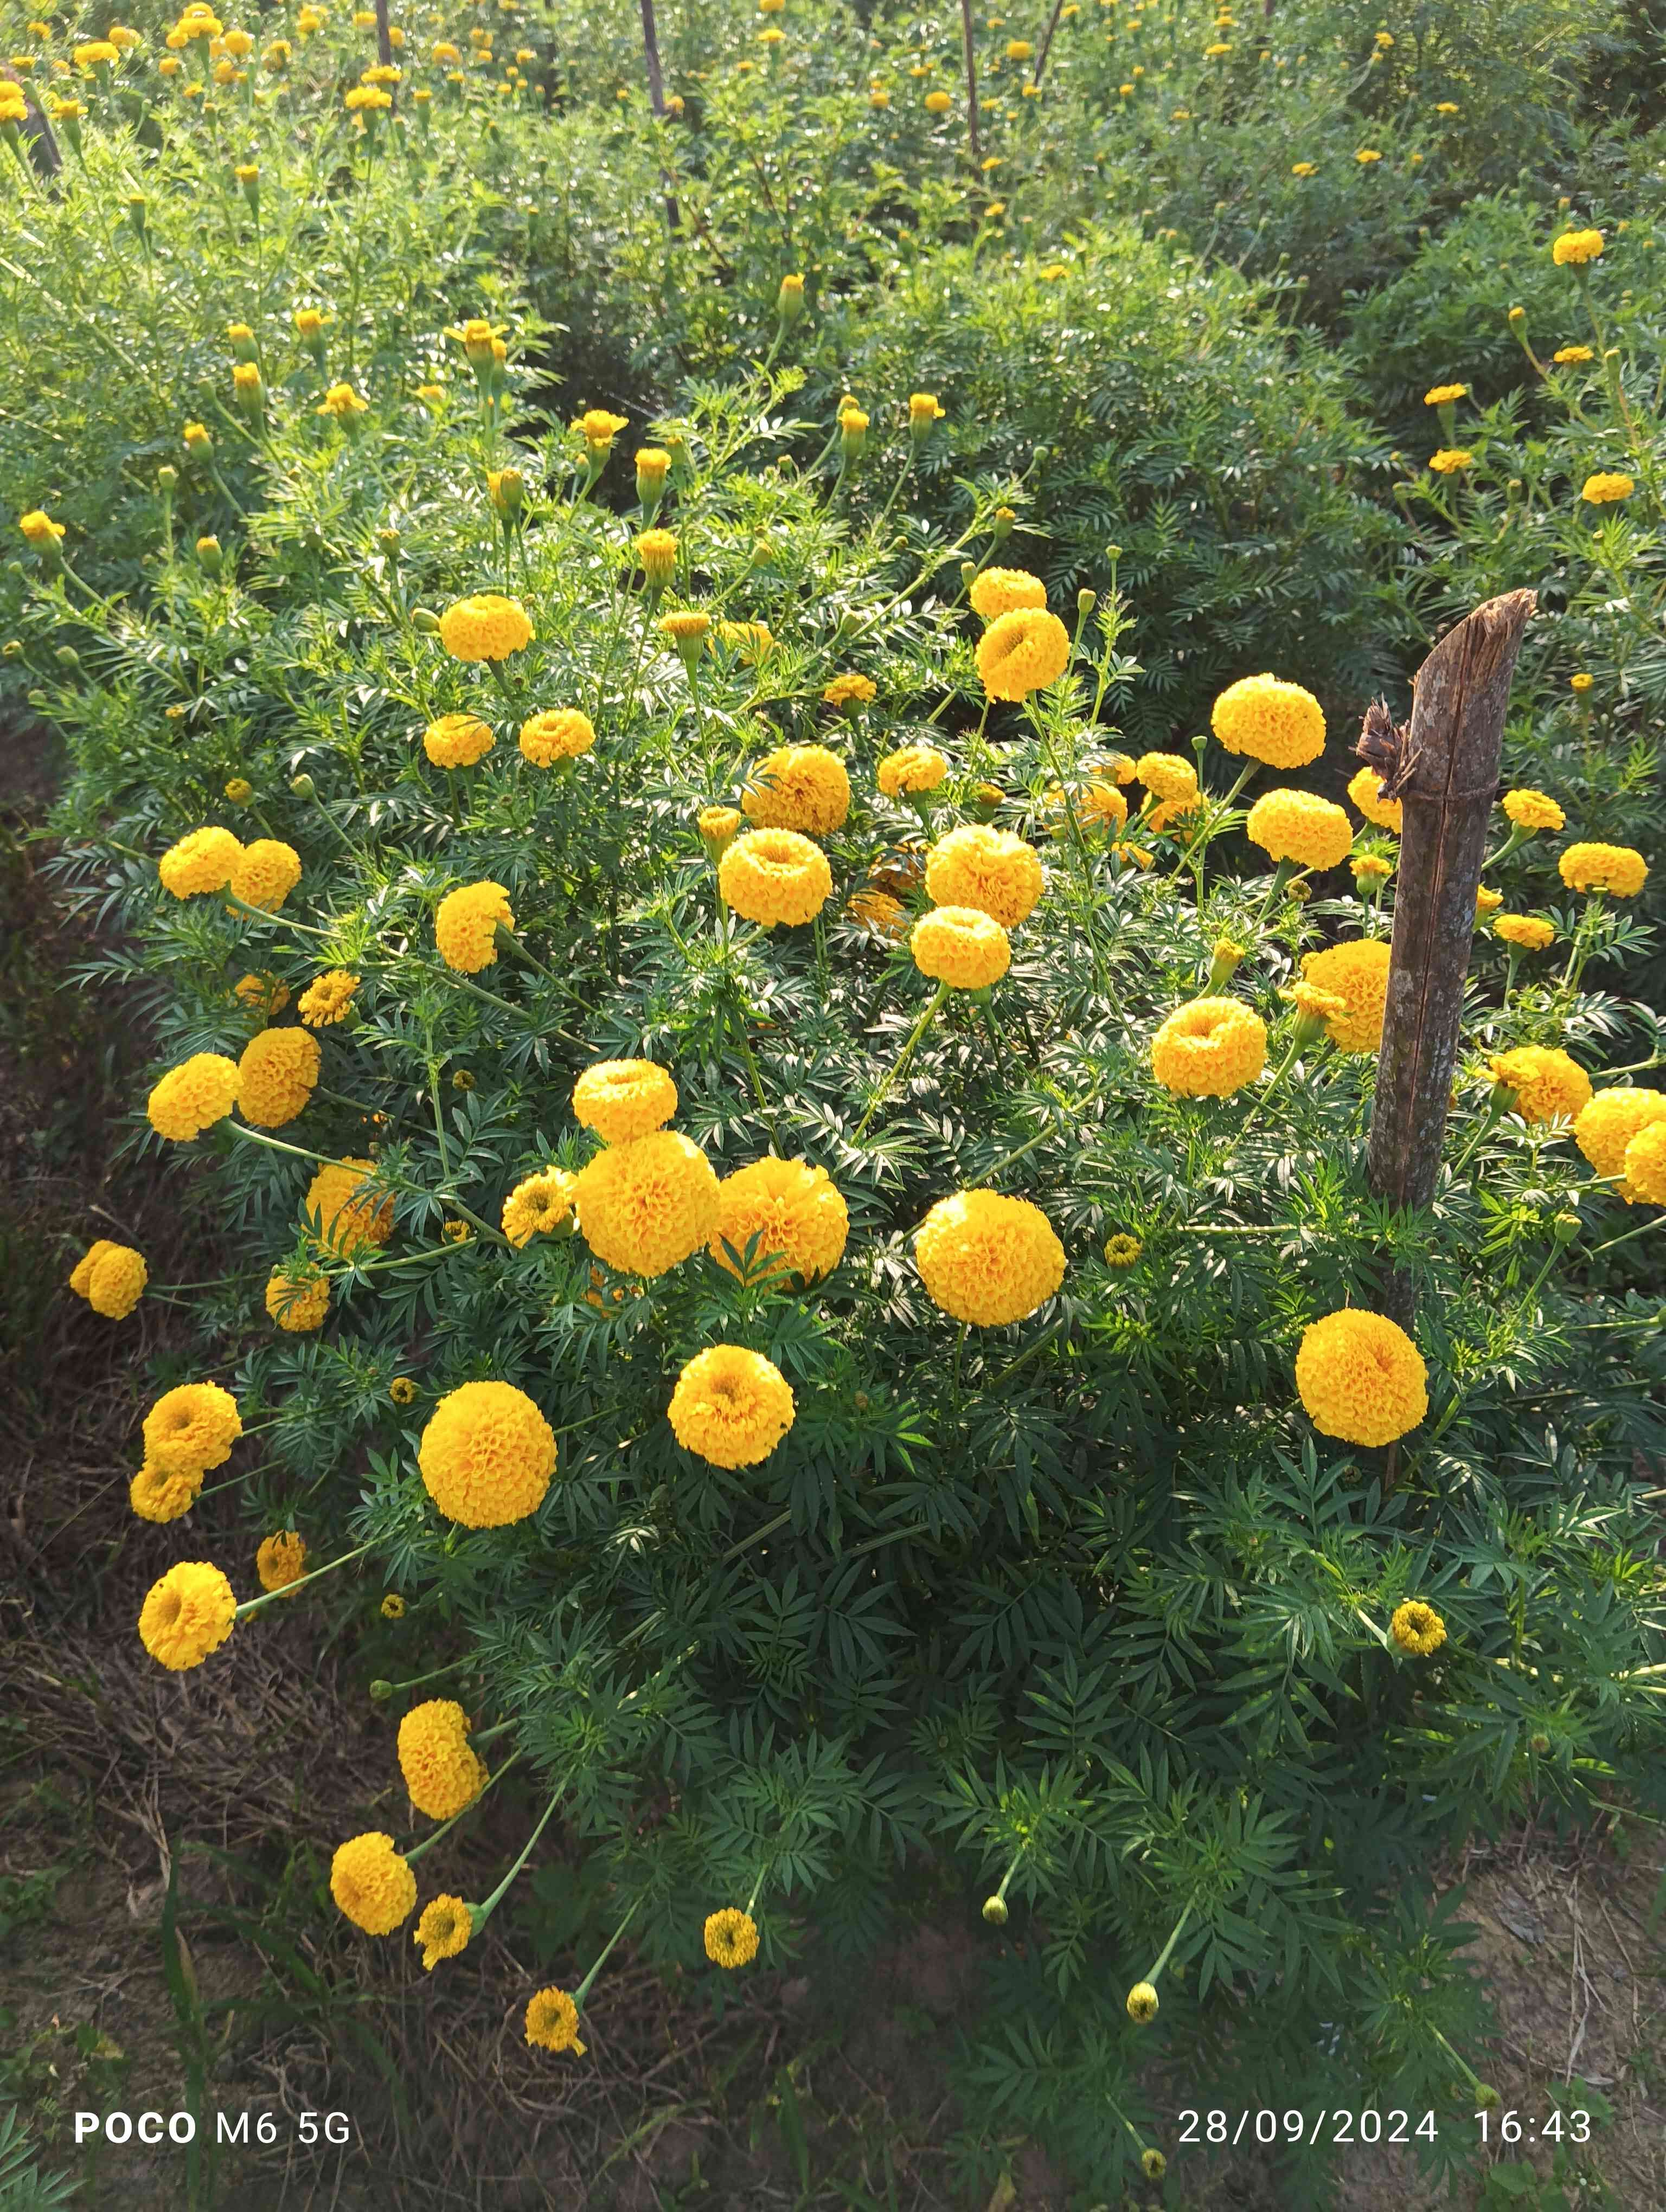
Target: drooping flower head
646, 1206
487, 1455
1209, 1048
731, 1406
552, 2022
794, 1211
1270, 721
988, 1259
442, 1770
193, 1096
372, 1884
1360, 1377
620, 1099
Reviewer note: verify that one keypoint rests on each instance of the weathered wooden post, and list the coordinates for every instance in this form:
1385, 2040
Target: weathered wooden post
656, 101
384, 38
1450, 759
1047, 41
968, 54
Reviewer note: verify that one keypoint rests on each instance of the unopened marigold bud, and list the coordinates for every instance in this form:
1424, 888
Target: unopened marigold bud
653, 466
248, 390
68, 657
994, 1911
167, 478
303, 787
657, 551
1565, 1227
1086, 601
380, 1692
923, 412
1142, 2003
789, 301
1486, 2097
1539, 1744
719, 827
1153, 2165
425, 620
853, 432
1001, 529
507, 488
138, 210
209, 553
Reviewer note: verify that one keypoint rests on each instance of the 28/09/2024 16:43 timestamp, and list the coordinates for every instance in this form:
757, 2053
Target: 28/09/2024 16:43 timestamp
1371, 2126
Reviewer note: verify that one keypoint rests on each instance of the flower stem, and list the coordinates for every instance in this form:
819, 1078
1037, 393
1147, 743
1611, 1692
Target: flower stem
902, 1061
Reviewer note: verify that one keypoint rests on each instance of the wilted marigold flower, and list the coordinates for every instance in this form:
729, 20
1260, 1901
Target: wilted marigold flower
457, 740
443, 1930
912, 768
189, 1613
1300, 826
1532, 809
1527, 932
730, 1937
731, 1406
552, 2022
620, 1099
776, 876
1209, 1048
192, 1096
487, 1455
1365, 790
347, 1217
443, 1773
804, 787
1617, 869
111, 1279
1646, 1166
987, 868
466, 926
1417, 1628
1606, 1125
850, 691
1545, 1084
1450, 460
961, 946
280, 1560
1123, 1250
1606, 487
275, 1076
1360, 1377
988, 1259
1023, 652
1357, 971
1574, 248
201, 861
266, 873
372, 1884
327, 1001
155, 1496
559, 733
484, 627
998, 591
1270, 721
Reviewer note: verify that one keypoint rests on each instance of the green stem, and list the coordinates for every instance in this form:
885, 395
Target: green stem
429, 1842
903, 1059
251, 1604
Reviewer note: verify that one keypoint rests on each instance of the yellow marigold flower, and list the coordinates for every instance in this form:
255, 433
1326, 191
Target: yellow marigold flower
202, 861
987, 868
850, 691
1018, 50
265, 995
329, 999
1571, 356
1417, 1628
457, 740
656, 549
1604, 1128
372, 1884
1582, 682
1121, 1250
601, 429
111, 1279
912, 768
750, 640
1166, 776
559, 733
620, 1099
192, 1428
442, 1772
344, 1214
192, 1096
1270, 721
239, 790
484, 627
1152, 2164
465, 925
730, 1937
1449, 459
81, 1274
358, 98
1547, 1086
340, 400
297, 1299
443, 53
653, 466
1617, 869
988, 1259
731, 1406
804, 787
879, 913
1646, 1166
1528, 932
1023, 652
1098, 805
1371, 868
1606, 487
155, 1496
443, 1930
771, 875
487, 1455
1142, 2003
95, 50
1357, 971
962, 946
189, 1613
937, 103
1488, 901
552, 2022
537, 1206
686, 628
719, 827
1446, 108
1360, 1377
1367, 155
645, 1205
1304, 168
1313, 1006
1365, 790
1443, 395
1172, 810
280, 1560
794, 1211
1209, 1048
1000, 592
275, 1076
1300, 826
266, 873
1574, 248
244, 375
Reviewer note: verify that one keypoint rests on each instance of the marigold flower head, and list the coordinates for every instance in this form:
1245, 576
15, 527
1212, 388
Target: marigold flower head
191, 1428
750, 640
457, 740
1300, 826
466, 926
991, 869
685, 628
1270, 721
537, 1206
1607, 1124
1209, 1048
1574, 248
879, 913
1168, 776
156, 1495
656, 549
266, 873
988, 1259
239, 790
1123, 1250
442, 1772
559, 733
925, 409
1646, 1166
1371, 868
1443, 395
487, 1455
280, 1560
328, 999
201, 861
345, 1214
794, 1211
372, 1884
997, 592
1570, 356
1532, 809
484, 627
1360, 1377
1617, 869
111, 1279
803, 787
1142, 2003
1366, 154
620, 1099
962, 946
937, 103
1417, 1628
275, 1076
1488, 900
1023, 652
1545, 1084
443, 1930
192, 1096
1357, 971
772, 876
340, 401
189, 1613
552, 2022
730, 1937
600, 428
1450, 460
850, 691
1527, 932
1304, 168
1365, 790
911, 769
645, 1205
731, 1406
1606, 487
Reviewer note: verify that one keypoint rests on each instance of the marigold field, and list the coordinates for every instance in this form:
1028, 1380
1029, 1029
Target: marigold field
714, 827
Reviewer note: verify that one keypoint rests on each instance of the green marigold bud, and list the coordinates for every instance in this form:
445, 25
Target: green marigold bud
424, 619
1153, 2165
1565, 1227
303, 787
68, 657
1001, 528
380, 1692
994, 1911
1486, 2097
1086, 601
167, 478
